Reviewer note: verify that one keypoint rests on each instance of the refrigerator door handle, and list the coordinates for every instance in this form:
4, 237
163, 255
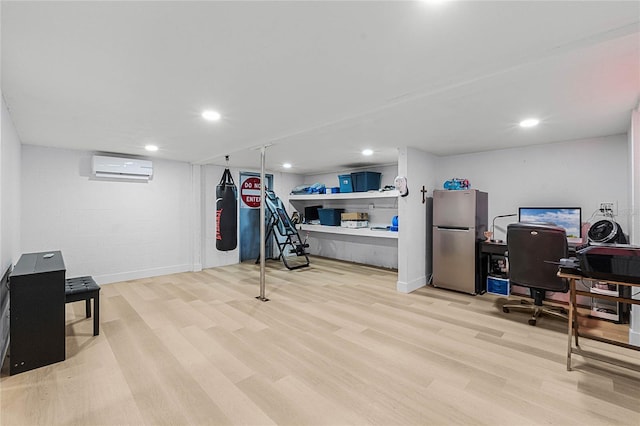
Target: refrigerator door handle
454, 229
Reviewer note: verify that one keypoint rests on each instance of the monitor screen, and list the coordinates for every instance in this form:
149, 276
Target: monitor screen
569, 218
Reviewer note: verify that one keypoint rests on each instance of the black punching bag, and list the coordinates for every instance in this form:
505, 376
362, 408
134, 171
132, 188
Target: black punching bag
226, 213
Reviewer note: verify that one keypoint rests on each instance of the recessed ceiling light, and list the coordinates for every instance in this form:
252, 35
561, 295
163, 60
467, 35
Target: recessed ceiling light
434, 2
529, 122
211, 115
367, 152
287, 165
151, 148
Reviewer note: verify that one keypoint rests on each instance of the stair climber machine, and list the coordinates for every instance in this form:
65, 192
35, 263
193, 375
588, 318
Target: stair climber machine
280, 226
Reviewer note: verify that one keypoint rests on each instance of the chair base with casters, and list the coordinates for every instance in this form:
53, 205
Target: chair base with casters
537, 307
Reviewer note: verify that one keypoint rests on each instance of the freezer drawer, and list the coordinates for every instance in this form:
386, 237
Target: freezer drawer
454, 259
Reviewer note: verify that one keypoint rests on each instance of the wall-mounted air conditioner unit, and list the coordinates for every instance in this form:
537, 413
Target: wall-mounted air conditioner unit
121, 168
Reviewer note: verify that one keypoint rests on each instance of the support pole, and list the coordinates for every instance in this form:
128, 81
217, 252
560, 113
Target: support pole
262, 296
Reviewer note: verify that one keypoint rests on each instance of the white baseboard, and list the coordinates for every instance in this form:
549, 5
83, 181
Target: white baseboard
634, 337
634, 323
145, 273
413, 285
197, 267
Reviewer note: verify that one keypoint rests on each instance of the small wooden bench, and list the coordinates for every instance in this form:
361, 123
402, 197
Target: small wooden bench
85, 288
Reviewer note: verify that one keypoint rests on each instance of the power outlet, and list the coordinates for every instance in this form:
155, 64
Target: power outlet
609, 207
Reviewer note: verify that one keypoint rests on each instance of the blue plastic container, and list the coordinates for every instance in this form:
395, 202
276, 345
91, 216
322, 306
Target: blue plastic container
330, 217
345, 183
498, 286
365, 181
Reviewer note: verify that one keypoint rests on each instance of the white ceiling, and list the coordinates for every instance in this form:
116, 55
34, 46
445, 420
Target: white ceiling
318, 80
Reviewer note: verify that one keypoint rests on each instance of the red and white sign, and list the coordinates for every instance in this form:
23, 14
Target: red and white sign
250, 192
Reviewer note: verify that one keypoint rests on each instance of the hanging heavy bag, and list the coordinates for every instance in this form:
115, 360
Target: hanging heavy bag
226, 213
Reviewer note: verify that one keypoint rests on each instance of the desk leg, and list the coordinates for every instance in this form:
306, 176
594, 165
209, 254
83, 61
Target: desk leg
571, 329
574, 302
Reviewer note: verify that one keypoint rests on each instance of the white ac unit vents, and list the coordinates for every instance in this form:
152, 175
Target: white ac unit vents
121, 168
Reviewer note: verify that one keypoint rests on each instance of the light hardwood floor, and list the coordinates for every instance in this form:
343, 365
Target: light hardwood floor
335, 345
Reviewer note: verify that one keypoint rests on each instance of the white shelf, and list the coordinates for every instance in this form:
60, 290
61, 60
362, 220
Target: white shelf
603, 291
346, 196
605, 313
360, 232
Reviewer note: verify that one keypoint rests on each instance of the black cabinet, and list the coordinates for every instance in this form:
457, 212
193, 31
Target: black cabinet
36, 299
493, 257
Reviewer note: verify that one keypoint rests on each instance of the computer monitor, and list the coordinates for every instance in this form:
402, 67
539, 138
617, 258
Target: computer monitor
569, 218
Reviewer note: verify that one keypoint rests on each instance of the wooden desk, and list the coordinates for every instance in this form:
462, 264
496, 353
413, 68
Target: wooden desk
574, 326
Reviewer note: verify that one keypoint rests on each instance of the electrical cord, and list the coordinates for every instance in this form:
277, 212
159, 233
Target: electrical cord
603, 212
585, 286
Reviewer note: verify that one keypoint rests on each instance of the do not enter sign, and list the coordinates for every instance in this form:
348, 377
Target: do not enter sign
250, 192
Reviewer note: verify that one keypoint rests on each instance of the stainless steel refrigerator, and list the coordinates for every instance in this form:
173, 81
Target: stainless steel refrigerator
459, 222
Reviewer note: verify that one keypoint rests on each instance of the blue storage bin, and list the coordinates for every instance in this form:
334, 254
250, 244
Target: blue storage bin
330, 217
499, 286
365, 181
345, 183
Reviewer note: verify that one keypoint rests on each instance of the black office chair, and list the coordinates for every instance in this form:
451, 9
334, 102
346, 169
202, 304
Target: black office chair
531, 248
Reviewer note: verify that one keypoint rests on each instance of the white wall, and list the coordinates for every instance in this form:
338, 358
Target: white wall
414, 248
112, 230
123, 230
389, 173
9, 214
577, 174
381, 252
197, 212
380, 211
634, 178
282, 185
10, 192
634, 212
